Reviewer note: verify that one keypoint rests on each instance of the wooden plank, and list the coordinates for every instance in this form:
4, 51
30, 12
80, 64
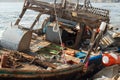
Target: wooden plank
79, 36
33, 60
37, 18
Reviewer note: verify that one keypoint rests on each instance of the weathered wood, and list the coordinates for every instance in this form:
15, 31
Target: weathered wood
22, 13
79, 36
95, 42
37, 18
38, 62
41, 3
4, 59
91, 17
93, 36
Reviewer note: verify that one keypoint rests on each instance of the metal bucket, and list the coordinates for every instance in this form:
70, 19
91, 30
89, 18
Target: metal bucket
15, 39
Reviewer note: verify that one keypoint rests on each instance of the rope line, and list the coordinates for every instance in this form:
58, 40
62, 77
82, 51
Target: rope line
58, 30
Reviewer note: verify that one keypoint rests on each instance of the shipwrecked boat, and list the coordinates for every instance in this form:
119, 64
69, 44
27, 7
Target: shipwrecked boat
50, 52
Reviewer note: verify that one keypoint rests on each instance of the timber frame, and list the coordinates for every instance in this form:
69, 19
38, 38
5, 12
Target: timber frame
91, 16
84, 14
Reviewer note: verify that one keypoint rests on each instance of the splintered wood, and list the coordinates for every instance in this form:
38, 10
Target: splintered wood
33, 60
15, 59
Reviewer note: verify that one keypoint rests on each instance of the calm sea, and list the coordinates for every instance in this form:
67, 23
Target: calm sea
9, 12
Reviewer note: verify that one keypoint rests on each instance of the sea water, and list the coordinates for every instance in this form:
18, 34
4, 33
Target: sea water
9, 12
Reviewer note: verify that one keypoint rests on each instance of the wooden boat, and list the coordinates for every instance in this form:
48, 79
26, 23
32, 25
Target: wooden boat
47, 43
35, 68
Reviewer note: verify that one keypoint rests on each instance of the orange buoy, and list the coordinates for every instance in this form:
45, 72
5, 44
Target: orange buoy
109, 59
118, 61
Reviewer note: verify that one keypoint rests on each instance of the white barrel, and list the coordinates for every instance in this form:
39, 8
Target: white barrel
15, 39
102, 26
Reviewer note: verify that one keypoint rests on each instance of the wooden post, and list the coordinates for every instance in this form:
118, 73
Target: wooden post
26, 4
63, 3
37, 18
79, 36
94, 33
77, 4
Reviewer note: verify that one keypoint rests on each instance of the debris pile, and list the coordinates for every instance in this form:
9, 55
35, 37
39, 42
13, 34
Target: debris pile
69, 37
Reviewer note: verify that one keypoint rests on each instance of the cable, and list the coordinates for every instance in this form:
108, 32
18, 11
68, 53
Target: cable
58, 30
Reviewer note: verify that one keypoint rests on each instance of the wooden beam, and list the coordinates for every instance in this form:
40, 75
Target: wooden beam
37, 18
26, 4
41, 3
25, 57
79, 36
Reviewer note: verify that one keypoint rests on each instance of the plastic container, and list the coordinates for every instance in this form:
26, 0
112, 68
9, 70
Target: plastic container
80, 54
95, 59
15, 39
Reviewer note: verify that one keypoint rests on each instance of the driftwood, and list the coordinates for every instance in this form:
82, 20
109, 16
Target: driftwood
25, 57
